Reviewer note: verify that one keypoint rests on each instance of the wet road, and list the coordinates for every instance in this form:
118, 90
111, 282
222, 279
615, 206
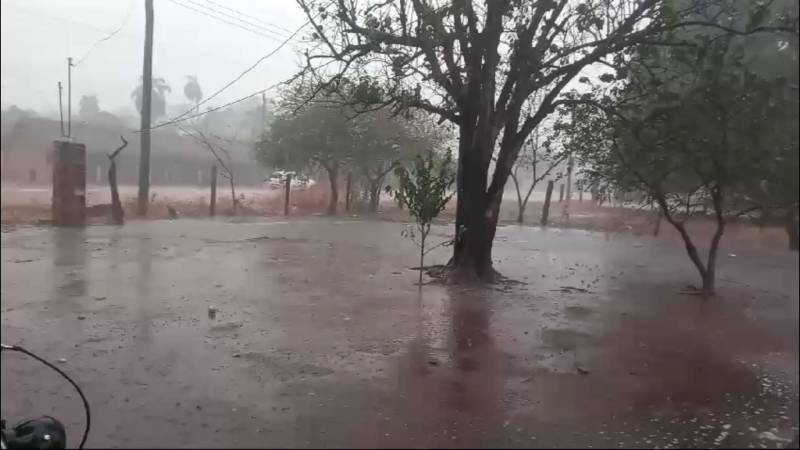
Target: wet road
322, 339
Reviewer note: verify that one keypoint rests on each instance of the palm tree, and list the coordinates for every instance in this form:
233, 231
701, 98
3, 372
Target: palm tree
158, 102
192, 90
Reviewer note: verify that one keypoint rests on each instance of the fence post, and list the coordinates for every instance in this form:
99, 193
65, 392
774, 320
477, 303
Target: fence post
347, 191
546, 207
213, 204
286, 195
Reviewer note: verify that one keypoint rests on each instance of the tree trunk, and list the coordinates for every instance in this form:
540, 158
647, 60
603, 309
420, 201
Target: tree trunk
347, 192
657, 228
711, 263
790, 224
333, 177
233, 194
546, 207
117, 213
520, 204
691, 250
707, 271
374, 197
476, 213
423, 234
472, 252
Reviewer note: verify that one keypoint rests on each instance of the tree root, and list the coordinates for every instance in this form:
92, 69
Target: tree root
448, 274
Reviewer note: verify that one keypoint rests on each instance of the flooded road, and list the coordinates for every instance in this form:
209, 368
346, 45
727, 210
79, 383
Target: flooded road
321, 339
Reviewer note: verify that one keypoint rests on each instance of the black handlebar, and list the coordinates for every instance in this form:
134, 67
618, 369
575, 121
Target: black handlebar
44, 432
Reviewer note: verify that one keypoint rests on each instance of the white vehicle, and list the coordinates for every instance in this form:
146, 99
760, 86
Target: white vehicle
278, 179
302, 181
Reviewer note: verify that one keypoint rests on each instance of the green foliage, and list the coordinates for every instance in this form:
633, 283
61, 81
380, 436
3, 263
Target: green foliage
692, 121
424, 187
318, 135
698, 123
321, 125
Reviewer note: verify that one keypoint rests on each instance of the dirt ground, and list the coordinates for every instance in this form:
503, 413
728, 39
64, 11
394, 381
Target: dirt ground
323, 340
27, 206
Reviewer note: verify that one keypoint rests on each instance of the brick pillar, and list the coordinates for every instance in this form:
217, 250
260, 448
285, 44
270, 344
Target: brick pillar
69, 184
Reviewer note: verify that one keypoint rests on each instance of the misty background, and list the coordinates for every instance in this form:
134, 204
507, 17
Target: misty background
39, 35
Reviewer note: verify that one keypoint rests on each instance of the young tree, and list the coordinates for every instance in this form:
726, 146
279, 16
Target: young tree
476, 64
424, 189
221, 155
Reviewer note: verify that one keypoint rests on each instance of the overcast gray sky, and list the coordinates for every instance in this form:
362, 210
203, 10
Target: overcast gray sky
38, 36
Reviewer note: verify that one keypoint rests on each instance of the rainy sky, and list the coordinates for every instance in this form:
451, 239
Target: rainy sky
213, 40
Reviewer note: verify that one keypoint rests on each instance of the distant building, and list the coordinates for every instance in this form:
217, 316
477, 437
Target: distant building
27, 146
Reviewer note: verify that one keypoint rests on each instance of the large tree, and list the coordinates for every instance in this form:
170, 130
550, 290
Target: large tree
318, 135
88, 106
476, 64
382, 142
690, 126
159, 97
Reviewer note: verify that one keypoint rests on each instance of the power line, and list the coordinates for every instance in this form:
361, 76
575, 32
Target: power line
181, 118
236, 11
159, 43
39, 13
246, 71
110, 35
281, 34
215, 17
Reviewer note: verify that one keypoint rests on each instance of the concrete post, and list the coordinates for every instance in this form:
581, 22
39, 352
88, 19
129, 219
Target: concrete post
69, 184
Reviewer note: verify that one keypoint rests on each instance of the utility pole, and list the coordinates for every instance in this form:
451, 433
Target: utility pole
147, 91
61, 109
69, 97
263, 113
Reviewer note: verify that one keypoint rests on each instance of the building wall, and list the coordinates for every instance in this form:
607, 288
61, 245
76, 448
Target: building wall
175, 160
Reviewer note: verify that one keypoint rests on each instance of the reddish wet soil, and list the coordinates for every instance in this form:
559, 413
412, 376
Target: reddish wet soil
321, 339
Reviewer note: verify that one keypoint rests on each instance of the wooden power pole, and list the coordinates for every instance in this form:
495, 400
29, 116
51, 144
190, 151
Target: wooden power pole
69, 97
147, 91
